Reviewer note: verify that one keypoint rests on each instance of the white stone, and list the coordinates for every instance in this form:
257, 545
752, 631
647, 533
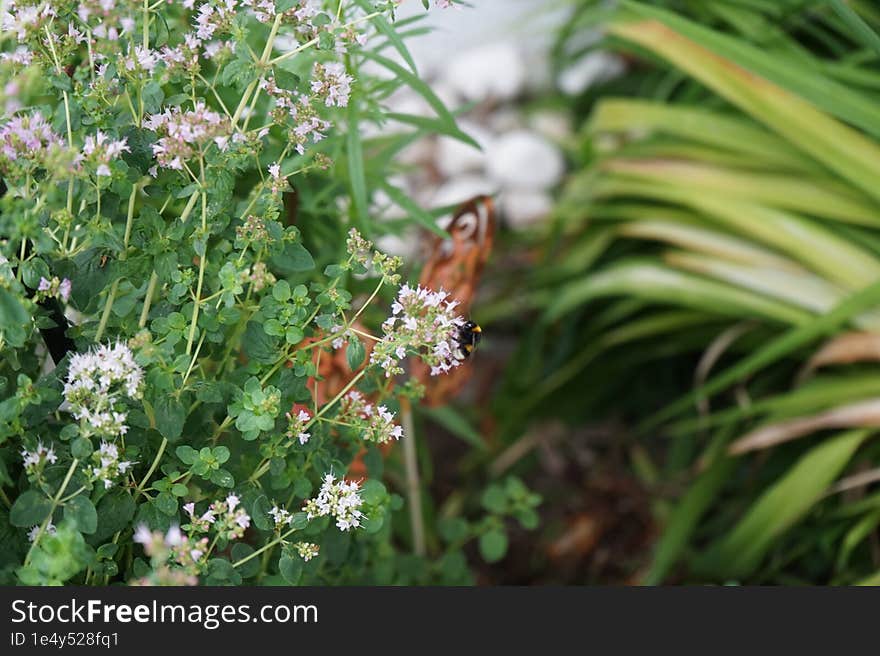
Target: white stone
522, 209
455, 156
405, 245
553, 124
504, 119
494, 71
525, 160
589, 70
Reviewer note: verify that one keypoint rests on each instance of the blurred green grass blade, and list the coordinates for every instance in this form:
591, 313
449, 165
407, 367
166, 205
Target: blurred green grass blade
389, 32
814, 396
357, 177
827, 140
433, 126
778, 69
654, 282
859, 27
788, 342
422, 89
578, 258
705, 240
451, 420
415, 212
720, 130
872, 580
699, 497
805, 240
855, 536
798, 288
781, 506
653, 325
799, 194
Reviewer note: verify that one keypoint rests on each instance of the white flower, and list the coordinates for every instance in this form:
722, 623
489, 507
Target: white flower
280, 516
307, 550
96, 381
424, 322
277, 182
108, 467
375, 423
143, 535
35, 460
296, 425
50, 530
331, 83
338, 499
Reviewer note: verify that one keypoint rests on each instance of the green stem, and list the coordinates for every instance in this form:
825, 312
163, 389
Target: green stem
267, 50
369, 300
111, 296
271, 544
336, 398
153, 466
55, 501
148, 299
309, 44
202, 261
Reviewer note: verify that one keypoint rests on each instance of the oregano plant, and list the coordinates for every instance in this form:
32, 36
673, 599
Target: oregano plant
184, 235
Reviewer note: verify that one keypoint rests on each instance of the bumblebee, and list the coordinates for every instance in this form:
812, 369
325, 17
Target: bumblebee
469, 335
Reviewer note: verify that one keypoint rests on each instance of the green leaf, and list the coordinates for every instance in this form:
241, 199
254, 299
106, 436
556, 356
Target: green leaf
387, 30
355, 353
453, 529
82, 511
291, 568
81, 448
493, 545
14, 319
300, 520
738, 553
293, 259
222, 478
747, 76
260, 513
258, 345
221, 572
774, 350
281, 291
187, 454
373, 492
251, 567
33, 270
115, 512
687, 513
528, 519
428, 125
30, 508
166, 503
170, 417
495, 499
152, 95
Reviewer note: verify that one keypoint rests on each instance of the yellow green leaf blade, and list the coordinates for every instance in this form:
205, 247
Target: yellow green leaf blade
780, 507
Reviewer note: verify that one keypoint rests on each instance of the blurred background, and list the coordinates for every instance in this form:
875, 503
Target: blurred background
680, 305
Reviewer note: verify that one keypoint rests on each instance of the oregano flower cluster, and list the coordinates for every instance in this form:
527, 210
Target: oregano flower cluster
197, 355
